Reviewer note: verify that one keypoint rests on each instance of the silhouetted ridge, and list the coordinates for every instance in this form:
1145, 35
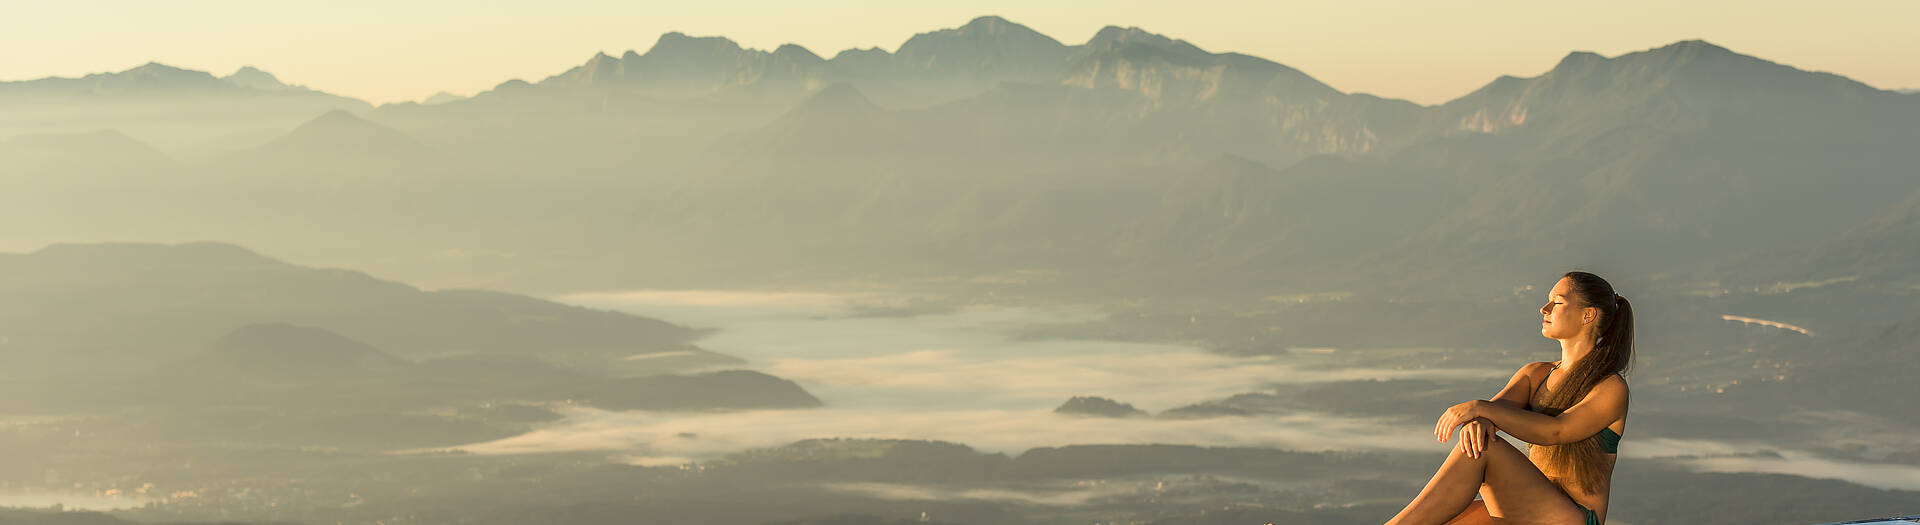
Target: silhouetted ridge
836, 119
212, 256
982, 45
156, 78
298, 350
795, 52
1575, 59
1111, 37
678, 46
601, 68
442, 98
253, 78
340, 132
871, 53
98, 145
838, 98
1176, 72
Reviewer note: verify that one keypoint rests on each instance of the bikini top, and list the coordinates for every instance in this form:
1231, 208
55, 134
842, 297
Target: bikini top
1609, 440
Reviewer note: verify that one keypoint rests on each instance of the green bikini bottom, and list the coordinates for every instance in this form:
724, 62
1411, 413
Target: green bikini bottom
1592, 519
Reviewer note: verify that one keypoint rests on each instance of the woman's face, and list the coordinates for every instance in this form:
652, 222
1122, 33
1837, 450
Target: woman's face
1563, 317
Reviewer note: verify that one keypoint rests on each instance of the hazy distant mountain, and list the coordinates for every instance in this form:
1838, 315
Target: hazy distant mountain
284, 365
682, 66
949, 64
1684, 153
1885, 248
837, 120
1686, 86
1249, 106
339, 135
251, 77
283, 349
180, 111
988, 48
1133, 154
148, 81
609, 113
442, 98
127, 304
78, 154
1686, 156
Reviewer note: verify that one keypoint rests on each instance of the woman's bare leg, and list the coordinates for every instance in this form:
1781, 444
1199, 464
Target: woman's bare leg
1476, 514
1514, 489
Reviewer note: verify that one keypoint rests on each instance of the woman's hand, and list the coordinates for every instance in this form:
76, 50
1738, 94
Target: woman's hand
1454, 418
1475, 435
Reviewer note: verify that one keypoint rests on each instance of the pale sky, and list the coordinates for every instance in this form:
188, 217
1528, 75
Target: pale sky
1427, 52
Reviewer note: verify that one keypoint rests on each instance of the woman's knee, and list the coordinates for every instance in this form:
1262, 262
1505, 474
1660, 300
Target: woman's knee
1500, 448
1496, 449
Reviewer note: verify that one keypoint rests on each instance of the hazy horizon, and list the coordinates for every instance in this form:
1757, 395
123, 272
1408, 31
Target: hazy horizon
1425, 54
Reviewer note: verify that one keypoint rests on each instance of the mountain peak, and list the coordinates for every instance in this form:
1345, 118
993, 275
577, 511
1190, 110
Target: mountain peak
338, 117
442, 98
797, 53
601, 68
1698, 46
251, 77
983, 44
675, 44
854, 53
1688, 51
838, 97
979, 31
156, 73
990, 23
156, 68
1114, 35
1579, 57
340, 132
1113, 38
154, 78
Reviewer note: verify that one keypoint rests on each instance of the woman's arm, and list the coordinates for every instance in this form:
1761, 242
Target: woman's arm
1476, 433
1519, 389
1604, 404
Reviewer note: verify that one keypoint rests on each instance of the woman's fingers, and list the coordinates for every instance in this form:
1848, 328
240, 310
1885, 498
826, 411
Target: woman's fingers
1466, 437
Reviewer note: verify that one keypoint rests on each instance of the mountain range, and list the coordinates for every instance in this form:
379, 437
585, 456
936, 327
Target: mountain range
1133, 157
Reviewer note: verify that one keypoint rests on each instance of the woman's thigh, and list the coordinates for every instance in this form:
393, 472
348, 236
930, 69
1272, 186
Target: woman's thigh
1516, 491
1476, 514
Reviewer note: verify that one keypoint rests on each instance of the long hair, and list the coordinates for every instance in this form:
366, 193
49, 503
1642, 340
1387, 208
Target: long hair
1612, 354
